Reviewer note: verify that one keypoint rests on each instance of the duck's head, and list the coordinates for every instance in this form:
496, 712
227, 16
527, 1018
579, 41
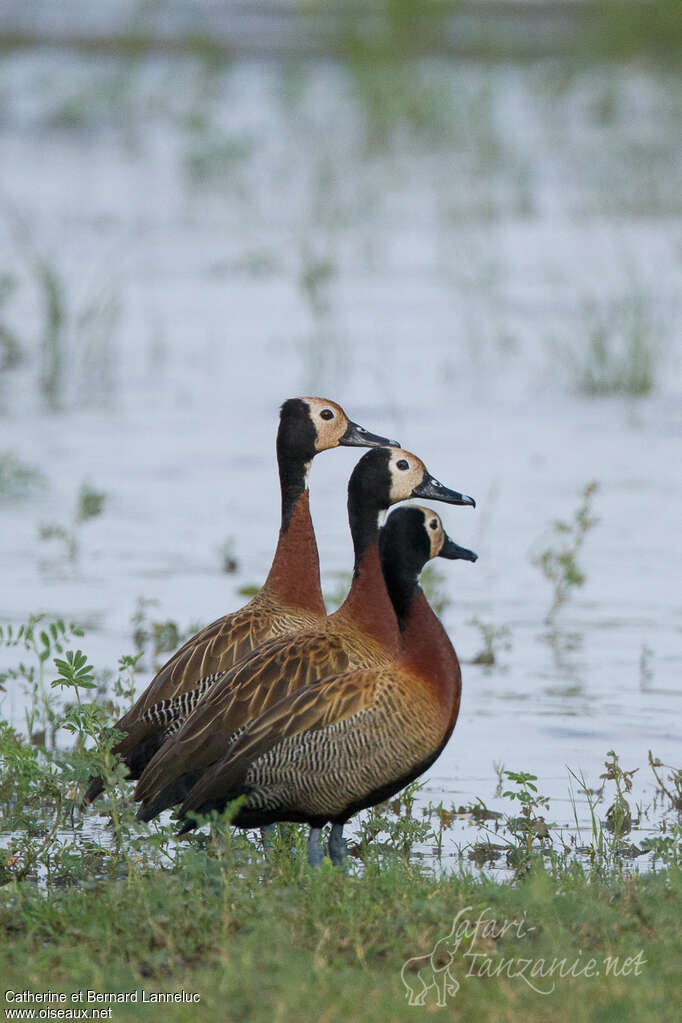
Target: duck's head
414, 535
310, 425
387, 475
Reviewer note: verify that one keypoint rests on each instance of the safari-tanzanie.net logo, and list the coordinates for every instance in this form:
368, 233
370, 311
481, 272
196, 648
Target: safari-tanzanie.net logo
469, 950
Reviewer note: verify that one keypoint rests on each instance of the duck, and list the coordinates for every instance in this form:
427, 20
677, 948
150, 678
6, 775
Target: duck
363, 632
289, 600
337, 746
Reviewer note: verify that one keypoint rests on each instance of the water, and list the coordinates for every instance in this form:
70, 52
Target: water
224, 239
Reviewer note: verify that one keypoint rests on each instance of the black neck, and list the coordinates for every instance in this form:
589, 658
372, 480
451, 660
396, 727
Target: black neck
368, 496
364, 529
401, 574
293, 483
405, 549
295, 451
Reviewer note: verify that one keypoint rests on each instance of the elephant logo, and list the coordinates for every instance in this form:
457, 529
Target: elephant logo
433, 971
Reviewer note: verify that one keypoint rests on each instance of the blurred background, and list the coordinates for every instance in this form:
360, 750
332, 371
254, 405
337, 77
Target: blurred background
461, 221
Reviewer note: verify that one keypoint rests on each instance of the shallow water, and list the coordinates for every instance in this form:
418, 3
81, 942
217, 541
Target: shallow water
226, 238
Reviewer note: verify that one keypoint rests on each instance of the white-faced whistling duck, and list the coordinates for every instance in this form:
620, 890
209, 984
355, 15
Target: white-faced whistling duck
362, 633
344, 743
290, 599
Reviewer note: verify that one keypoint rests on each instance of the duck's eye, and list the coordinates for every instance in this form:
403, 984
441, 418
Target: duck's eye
434, 523
327, 413
403, 464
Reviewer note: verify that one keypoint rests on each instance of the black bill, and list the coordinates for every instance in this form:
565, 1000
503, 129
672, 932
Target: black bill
431, 489
358, 437
453, 552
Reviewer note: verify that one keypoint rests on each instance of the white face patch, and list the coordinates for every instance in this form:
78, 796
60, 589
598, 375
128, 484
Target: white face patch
306, 474
407, 472
329, 420
433, 527
381, 517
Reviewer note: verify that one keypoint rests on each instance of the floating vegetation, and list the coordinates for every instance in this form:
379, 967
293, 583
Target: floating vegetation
623, 349
77, 343
89, 505
315, 278
18, 479
559, 563
645, 671
228, 558
216, 159
495, 639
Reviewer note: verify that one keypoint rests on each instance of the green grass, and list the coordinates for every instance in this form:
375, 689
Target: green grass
265, 942
97, 901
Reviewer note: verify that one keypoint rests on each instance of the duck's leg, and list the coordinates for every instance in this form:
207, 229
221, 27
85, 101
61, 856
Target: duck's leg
314, 848
338, 850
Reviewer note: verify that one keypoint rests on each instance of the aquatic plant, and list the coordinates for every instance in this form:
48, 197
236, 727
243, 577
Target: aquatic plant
77, 342
89, 505
495, 639
530, 825
391, 87
645, 672
215, 159
396, 825
42, 782
666, 849
618, 815
41, 639
315, 277
673, 790
156, 637
228, 559
53, 341
623, 349
606, 849
18, 479
11, 352
559, 563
